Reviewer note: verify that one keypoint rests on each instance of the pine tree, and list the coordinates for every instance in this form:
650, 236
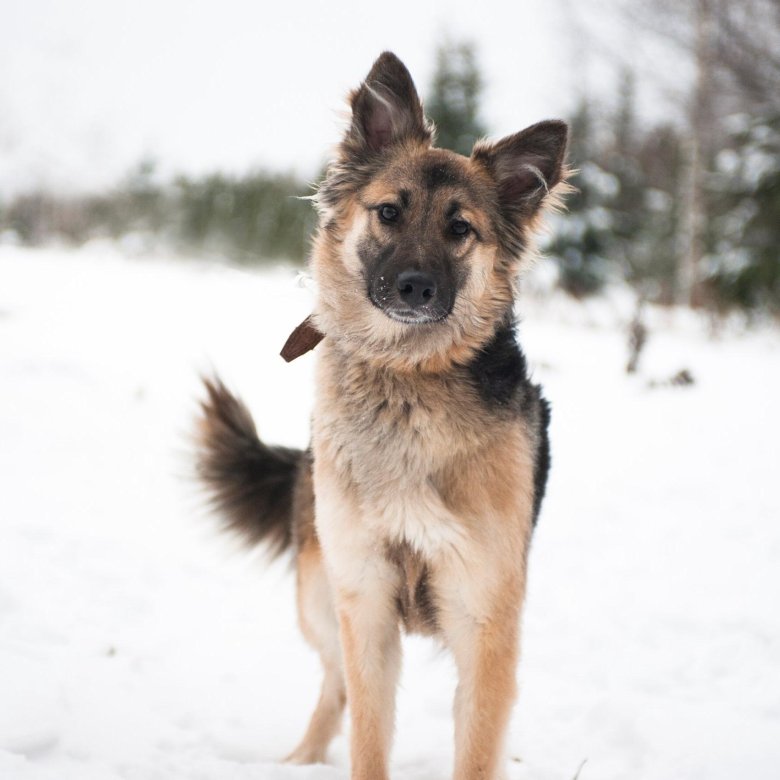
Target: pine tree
745, 263
453, 104
583, 239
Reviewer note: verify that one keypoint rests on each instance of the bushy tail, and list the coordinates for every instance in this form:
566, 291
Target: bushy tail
250, 484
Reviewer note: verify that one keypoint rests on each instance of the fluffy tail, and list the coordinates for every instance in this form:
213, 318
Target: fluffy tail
249, 483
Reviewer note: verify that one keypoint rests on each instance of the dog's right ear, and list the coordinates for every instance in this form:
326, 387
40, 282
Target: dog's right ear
385, 110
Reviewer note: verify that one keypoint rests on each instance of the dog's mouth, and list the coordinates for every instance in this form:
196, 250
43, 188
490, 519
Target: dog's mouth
415, 317
418, 315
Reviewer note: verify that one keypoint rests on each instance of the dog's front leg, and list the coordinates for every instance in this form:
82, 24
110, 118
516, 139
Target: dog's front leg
365, 587
483, 638
371, 645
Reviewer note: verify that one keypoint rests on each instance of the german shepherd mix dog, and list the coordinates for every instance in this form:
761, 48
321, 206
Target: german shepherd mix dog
415, 505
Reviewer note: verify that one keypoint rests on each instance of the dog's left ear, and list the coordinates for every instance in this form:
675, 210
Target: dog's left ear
527, 165
385, 109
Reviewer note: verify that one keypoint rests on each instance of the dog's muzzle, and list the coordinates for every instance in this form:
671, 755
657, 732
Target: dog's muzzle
412, 296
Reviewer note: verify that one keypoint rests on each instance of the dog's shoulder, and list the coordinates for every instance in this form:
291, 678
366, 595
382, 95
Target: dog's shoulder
500, 374
499, 371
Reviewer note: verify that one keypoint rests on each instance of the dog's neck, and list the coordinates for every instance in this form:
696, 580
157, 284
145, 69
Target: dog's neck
306, 336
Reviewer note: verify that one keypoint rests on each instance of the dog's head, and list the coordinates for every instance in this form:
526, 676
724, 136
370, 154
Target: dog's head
419, 248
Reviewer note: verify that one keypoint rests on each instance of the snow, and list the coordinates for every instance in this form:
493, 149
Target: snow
138, 643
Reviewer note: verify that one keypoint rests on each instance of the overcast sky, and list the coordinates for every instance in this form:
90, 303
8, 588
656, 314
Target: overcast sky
89, 87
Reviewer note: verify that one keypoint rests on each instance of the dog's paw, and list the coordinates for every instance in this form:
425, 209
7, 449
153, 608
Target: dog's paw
305, 754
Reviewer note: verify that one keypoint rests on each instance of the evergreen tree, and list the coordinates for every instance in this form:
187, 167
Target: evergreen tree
656, 256
648, 166
582, 241
626, 205
453, 104
744, 267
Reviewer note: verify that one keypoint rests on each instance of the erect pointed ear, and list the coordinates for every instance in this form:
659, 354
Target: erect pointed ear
385, 109
527, 165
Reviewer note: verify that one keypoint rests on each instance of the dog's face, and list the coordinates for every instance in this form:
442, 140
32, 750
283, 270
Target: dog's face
418, 247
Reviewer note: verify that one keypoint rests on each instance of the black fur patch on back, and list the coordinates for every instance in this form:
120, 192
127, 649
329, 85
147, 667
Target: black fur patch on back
499, 368
500, 375
542, 455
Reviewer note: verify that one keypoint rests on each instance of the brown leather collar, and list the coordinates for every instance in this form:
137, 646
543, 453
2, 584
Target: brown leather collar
302, 340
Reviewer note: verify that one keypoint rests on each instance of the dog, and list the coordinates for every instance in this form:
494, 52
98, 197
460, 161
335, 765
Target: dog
415, 505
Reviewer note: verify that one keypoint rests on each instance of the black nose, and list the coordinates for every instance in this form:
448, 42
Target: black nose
415, 287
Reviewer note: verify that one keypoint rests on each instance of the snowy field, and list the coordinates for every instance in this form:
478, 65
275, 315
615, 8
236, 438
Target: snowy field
138, 643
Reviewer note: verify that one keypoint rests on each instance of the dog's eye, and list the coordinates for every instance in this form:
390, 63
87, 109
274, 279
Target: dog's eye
388, 213
459, 227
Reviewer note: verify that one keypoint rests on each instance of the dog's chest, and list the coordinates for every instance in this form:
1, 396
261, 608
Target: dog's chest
400, 428
390, 436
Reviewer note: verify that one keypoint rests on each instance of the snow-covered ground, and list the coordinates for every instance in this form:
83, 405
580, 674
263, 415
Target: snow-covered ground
138, 643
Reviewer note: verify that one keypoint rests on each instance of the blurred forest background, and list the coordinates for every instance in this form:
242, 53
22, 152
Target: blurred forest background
685, 210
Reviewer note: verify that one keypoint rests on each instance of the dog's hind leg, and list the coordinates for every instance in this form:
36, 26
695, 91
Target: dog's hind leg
320, 628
